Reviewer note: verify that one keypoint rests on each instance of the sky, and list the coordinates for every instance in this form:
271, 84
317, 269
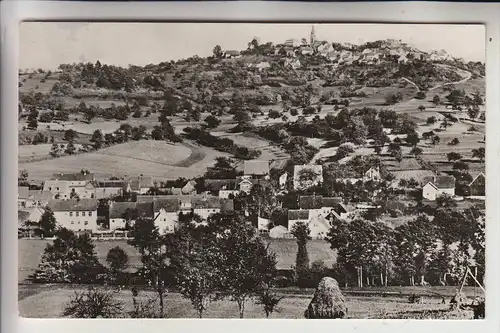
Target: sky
49, 44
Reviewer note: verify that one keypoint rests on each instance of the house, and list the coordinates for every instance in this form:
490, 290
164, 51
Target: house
108, 189
232, 54
263, 65
123, 213
279, 231
319, 226
75, 214
373, 174
477, 187
222, 188
69, 185
283, 179
262, 224
294, 63
38, 198
139, 185
323, 206
245, 184
289, 51
189, 188
256, 169
166, 214
22, 196
297, 215
325, 47
437, 186
33, 214
306, 50
307, 175
204, 207
293, 42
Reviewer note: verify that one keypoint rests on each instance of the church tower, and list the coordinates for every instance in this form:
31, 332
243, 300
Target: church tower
313, 36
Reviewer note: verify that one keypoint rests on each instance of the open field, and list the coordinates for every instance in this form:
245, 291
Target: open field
30, 253
158, 159
31, 84
41, 301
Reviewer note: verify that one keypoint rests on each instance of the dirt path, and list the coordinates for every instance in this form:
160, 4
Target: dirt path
196, 156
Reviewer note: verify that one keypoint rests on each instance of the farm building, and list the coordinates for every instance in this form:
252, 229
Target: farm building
121, 213
108, 189
477, 187
319, 205
232, 54
279, 231
29, 215
139, 185
438, 186
75, 214
307, 175
373, 174
297, 216
256, 169
27, 198
189, 188
216, 186
69, 185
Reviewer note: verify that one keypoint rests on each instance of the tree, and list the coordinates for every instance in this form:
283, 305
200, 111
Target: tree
97, 139
153, 248
157, 133
32, 123
137, 114
412, 139
421, 108
90, 113
431, 120
344, 150
55, 150
460, 166
416, 151
302, 233
212, 121
435, 140
70, 148
473, 112
269, 301
453, 156
244, 262
242, 117
274, 114
69, 259
223, 168
48, 222
394, 149
118, 261
454, 142
70, 135
479, 153
94, 303
23, 177
194, 257
436, 100
217, 52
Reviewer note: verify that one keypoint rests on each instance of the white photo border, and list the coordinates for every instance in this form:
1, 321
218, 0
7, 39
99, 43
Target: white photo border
13, 12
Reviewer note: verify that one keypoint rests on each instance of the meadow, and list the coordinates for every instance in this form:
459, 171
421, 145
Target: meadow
43, 301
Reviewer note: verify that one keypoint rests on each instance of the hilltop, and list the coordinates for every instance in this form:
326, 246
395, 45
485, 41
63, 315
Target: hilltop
238, 91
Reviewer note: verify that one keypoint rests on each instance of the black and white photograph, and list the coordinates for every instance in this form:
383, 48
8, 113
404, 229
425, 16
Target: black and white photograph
251, 170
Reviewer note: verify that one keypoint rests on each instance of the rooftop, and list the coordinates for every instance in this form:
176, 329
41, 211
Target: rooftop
73, 176
73, 205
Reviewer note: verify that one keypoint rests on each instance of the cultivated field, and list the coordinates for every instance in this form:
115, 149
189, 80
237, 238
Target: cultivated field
158, 159
49, 301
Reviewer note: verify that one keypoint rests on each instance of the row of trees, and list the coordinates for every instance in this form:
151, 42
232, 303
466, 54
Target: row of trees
222, 259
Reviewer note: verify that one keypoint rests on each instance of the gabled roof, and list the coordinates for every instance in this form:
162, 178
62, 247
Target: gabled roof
206, 203
73, 176
73, 205
255, 167
39, 195
219, 184
23, 192
144, 209
169, 205
118, 209
136, 184
110, 184
475, 177
298, 214
227, 205
310, 202
332, 202
441, 182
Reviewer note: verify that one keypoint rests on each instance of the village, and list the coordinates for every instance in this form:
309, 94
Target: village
284, 163
75, 199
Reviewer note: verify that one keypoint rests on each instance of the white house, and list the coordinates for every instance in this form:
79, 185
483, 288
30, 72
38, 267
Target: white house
373, 174
27, 198
307, 175
75, 214
294, 63
232, 54
319, 226
279, 231
306, 50
263, 65
262, 224
283, 179
66, 185
293, 42
122, 212
438, 186
139, 185
108, 189
166, 214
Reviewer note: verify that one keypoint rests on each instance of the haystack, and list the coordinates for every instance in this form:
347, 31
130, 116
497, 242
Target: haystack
327, 302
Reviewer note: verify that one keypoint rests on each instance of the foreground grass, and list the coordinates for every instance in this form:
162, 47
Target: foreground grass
48, 301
